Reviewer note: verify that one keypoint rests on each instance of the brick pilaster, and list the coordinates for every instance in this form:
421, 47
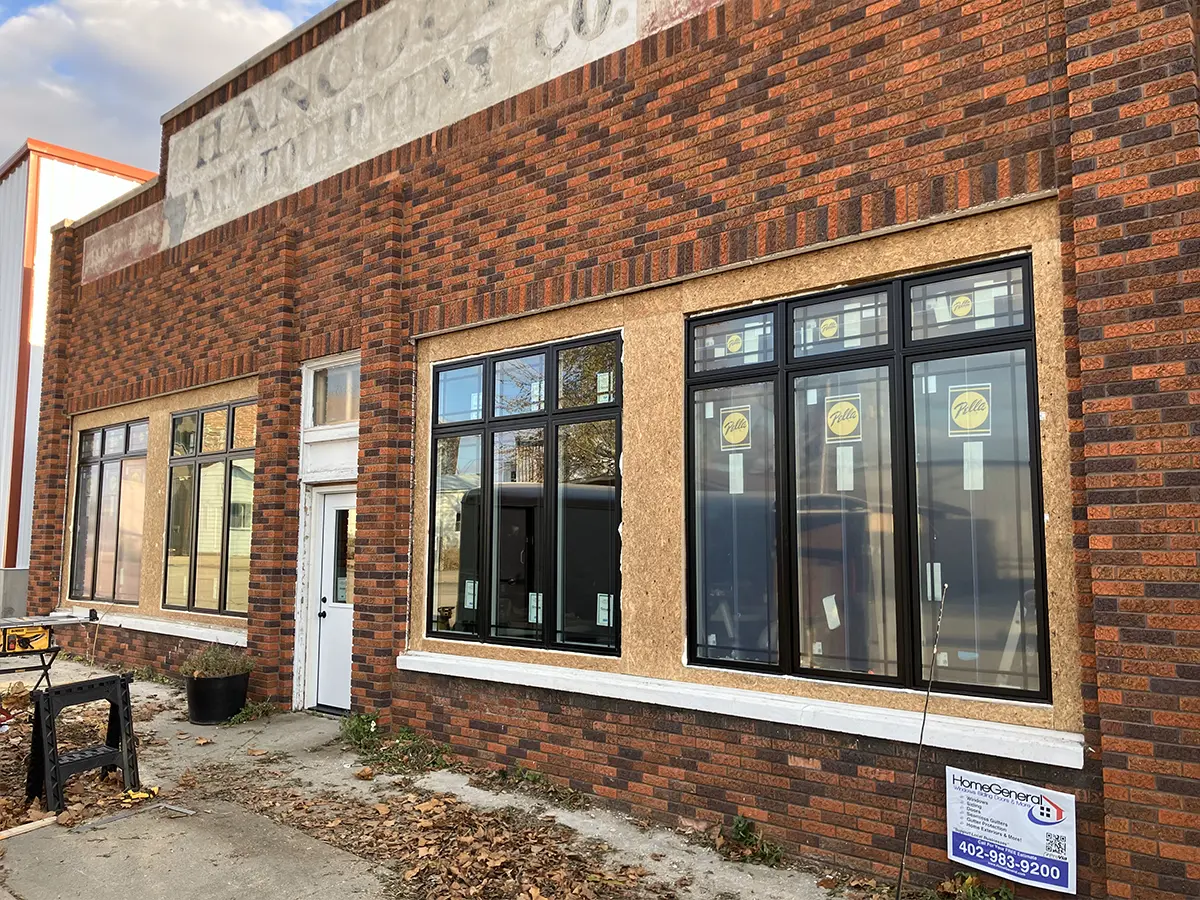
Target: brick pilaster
271, 628
384, 456
1136, 159
46, 564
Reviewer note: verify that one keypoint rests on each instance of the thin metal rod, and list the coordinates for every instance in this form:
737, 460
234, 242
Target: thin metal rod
912, 797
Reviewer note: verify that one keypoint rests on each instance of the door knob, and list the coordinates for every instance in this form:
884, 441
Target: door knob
322, 614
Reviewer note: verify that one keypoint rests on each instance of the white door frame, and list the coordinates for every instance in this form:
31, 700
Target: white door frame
308, 591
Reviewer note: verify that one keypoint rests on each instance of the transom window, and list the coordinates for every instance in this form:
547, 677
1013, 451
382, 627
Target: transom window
110, 497
210, 509
855, 456
524, 539
335, 392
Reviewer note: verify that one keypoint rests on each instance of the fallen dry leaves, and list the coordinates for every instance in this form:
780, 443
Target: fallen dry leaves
440, 847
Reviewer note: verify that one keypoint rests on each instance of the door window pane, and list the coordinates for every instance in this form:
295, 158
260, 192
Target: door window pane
588, 551
968, 304
845, 559
183, 439
745, 341
975, 519
518, 460
241, 515
210, 531
457, 534
460, 395
736, 581
343, 556
84, 541
129, 541
245, 426
106, 551
851, 323
180, 524
521, 385
335, 395
215, 423
139, 437
587, 375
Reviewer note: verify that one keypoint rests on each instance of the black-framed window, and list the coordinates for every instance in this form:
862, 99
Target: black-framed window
525, 503
110, 497
210, 509
851, 456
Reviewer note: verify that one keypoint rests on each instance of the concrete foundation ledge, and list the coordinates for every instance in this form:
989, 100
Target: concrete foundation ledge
1037, 745
207, 633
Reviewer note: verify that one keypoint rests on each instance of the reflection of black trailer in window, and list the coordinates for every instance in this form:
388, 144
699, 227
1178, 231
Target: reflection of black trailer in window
588, 556
835, 532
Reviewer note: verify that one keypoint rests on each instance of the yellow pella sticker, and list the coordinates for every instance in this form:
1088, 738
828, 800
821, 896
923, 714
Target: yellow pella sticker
829, 327
734, 343
970, 410
962, 306
843, 419
735, 428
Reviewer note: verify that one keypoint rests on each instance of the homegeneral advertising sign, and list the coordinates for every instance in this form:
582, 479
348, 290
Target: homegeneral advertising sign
1017, 831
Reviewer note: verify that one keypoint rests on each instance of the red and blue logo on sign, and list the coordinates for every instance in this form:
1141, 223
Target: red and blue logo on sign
1046, 812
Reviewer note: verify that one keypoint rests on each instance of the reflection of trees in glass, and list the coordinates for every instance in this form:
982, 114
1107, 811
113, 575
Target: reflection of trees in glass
457, 474
520, 385
587, 453
586, 375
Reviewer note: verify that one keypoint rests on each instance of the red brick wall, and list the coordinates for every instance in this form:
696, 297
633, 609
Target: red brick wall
161, 654
1136, 165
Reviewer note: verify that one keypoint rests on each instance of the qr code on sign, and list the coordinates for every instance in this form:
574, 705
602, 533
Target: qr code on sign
1056, 846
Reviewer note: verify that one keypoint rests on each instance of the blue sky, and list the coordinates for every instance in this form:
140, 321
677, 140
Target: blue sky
96, 75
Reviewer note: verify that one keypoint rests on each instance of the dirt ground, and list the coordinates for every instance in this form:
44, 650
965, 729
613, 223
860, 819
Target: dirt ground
285, 808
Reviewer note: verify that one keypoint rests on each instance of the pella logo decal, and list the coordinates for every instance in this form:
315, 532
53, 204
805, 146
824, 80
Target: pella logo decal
735, 428
843, 419
970, 410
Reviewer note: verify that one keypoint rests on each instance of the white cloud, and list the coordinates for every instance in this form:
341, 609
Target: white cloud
96, 75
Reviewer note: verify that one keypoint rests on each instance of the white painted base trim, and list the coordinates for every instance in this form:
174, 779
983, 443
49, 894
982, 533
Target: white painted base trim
208, 633
1039, 745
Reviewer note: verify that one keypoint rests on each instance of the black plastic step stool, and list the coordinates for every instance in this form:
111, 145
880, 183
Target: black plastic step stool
49, 769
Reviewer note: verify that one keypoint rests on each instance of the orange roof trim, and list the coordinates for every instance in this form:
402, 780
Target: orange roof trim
75, 157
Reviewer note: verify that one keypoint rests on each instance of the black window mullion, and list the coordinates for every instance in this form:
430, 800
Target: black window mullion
787, 611
486, 594
223, 563
548, 538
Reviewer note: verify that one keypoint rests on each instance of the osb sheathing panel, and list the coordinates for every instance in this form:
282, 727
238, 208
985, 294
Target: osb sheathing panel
653, 524
154, 524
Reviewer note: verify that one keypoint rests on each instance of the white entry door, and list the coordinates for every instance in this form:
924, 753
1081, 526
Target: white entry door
335, 600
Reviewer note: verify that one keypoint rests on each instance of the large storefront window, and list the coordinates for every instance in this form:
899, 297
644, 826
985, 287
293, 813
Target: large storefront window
857, 459
525, 505
110, 495
210, 509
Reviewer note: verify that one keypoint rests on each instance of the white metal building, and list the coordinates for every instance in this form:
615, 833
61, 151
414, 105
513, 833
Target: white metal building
40, 184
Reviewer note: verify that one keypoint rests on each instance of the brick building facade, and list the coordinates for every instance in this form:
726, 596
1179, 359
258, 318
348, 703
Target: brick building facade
707, 158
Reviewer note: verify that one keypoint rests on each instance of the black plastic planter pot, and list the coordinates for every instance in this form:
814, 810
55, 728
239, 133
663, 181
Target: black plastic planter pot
212, 701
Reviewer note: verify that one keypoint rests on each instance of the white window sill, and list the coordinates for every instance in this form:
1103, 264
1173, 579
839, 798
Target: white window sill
206, 633
1039, 745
